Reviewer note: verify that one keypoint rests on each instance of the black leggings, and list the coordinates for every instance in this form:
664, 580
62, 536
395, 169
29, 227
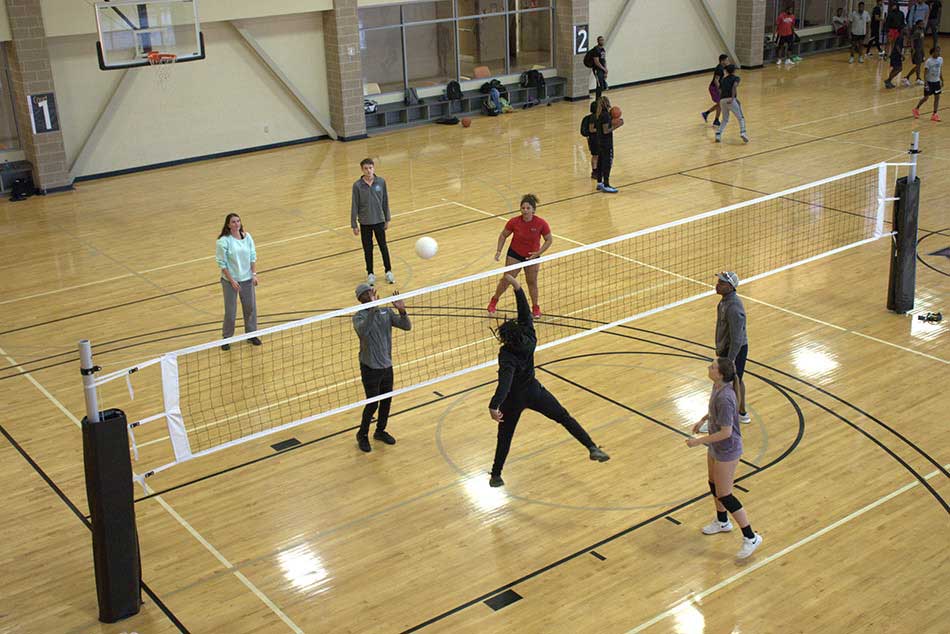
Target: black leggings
536, 398
366, 235
376, 382
605, 159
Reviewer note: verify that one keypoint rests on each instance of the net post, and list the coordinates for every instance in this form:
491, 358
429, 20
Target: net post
881, 200
109, 491
903, 271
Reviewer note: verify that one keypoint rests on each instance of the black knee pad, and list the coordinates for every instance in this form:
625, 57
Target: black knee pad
712, 487
731, 503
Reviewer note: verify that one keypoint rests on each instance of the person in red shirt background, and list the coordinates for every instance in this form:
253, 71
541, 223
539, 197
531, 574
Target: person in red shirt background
528, 229
785, 31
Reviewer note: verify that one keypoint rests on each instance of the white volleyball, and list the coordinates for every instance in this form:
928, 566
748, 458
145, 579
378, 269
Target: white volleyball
426, 247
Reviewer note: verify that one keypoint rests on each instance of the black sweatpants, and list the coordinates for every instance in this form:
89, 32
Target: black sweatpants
601, 82
376, 382
366, 235
605, 160
534, 397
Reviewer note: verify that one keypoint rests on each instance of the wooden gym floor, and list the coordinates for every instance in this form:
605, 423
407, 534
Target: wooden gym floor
845, 473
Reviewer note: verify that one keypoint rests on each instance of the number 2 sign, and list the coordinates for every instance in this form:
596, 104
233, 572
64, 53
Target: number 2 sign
581, 39
43, 113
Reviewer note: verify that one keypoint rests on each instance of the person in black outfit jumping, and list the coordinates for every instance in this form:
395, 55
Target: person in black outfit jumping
518, 389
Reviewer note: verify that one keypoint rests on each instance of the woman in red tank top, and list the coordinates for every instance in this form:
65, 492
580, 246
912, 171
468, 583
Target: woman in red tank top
528, 231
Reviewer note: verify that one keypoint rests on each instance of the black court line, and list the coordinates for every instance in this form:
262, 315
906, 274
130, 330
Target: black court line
82, 518
673, 520
598, 555
440, 395
921, 260
627, 407
741, 488
468, 222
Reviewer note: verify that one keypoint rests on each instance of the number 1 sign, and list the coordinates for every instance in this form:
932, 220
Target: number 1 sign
43, 113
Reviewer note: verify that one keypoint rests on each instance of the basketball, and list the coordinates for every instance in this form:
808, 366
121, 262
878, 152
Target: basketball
427, 247
465, 123
616, 112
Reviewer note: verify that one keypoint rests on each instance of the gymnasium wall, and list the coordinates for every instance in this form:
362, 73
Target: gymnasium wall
660, 38
230, 101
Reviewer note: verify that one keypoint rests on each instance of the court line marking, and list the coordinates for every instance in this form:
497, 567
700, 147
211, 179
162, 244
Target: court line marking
751, 299
698, 597
188, 527
201, 259
928, 155
848, 114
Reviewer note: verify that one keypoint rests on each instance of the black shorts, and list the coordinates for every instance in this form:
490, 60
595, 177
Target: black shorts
897, 63
514, 255
740, 360
592, 145
788, 40
857, 39
933, 88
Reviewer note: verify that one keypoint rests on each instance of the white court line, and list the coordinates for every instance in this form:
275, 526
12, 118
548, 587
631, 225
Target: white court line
188, 527
698, 597
847, 114
201, 259
751, 299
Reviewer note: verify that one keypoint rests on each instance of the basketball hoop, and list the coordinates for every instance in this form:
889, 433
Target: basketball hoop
163, 64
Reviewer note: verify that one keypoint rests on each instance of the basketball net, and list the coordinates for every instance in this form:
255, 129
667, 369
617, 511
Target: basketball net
162, 63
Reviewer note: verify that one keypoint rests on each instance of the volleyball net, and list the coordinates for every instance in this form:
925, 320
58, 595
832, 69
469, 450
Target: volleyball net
309, 369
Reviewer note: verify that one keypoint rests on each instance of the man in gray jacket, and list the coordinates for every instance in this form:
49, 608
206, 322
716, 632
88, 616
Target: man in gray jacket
731, 339
374, 328
370, 207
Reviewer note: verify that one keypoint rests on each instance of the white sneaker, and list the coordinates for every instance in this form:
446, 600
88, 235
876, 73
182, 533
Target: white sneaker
905, 82
851, 59
778, 62
390, 277
745, 137
745, 418
370, 279
716, 526
789, 62
861, 59
718, 139
920, 82
748, 546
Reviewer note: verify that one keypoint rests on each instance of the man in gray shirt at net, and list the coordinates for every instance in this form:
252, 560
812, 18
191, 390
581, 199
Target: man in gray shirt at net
374, 327
731, 339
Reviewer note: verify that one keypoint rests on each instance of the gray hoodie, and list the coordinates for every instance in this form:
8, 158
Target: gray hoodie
730, 326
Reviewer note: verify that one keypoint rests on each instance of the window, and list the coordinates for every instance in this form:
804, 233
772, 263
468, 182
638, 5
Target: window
815, 13
431, 43
9, 136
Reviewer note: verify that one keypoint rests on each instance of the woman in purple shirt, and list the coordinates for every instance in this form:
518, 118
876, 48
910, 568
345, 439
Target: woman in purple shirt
724, 442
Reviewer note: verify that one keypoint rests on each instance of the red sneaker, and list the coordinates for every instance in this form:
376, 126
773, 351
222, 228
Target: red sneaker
535, 311
492, 305
935, 117
916, 113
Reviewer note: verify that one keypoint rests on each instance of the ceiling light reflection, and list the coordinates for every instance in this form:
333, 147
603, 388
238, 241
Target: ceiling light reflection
484, 497
814, 360
689, 620
302, 568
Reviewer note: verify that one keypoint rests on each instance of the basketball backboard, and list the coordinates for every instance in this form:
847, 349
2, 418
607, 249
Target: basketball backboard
131, 29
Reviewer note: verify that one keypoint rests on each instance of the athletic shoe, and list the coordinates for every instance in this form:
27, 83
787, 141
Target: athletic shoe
226, 347
384, 436
705, 116
920, 82
796, 58
905, 82
390, 277
749, 546
778, 62
861, 59
600, 187
851, 59
535, 311
607, 189
718, 138
363, 443
254, 341
716, 526
716, 123
745, 137
598, 454
492, 305
935, 117
888, 84
496, 481
370, 279
789, 62
745, 418
916, 113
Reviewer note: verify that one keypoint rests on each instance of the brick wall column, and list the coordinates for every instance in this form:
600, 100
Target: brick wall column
30, 73
569, 65
750, 31
344, 70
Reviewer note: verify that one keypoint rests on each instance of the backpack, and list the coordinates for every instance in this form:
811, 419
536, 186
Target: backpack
585, 125
488, 108
523, 80
536, 80
589, 58
453, 90
447, 120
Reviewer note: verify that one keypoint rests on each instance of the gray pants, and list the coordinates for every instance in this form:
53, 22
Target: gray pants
248, 305
730, 104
